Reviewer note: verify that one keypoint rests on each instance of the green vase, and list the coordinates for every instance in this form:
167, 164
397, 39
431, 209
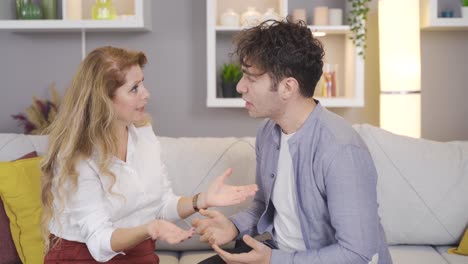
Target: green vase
104, 10
19, 3
28, 10
49, 8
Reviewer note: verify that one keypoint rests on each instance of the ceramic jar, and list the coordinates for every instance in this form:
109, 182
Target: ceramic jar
270, 14
73, 9
229, 18
299, 15
321, 16
251, 17
464, 11
335, 16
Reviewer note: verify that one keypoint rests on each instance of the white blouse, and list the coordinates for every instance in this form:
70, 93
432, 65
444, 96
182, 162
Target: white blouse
141, 193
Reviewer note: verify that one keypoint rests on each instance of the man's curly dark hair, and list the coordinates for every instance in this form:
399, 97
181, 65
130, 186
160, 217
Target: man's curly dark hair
282, 49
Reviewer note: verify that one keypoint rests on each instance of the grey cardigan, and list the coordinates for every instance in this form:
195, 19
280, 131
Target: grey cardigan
336, 192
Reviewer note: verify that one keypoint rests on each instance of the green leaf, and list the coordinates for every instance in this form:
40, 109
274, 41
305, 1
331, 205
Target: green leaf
357, 20
231, 73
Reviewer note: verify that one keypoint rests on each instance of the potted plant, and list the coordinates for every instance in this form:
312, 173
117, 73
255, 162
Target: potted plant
464, 8
231, 73
357, 21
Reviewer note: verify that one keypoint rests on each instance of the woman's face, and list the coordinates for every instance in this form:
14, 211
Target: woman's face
130, 99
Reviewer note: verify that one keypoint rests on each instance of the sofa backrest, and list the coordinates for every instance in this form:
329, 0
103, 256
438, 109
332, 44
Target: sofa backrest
422, 186
13, 146
192, 164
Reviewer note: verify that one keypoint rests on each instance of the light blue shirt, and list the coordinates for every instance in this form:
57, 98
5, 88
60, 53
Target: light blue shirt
336, 192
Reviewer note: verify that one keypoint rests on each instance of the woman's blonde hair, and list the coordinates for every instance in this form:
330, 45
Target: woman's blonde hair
85, 122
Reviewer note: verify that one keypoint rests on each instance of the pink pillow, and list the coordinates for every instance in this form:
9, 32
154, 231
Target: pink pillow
8, 254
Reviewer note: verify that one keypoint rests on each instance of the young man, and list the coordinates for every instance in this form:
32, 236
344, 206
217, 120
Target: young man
316, 178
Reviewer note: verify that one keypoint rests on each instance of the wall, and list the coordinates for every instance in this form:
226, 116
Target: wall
370, 112
176, 74
444, 82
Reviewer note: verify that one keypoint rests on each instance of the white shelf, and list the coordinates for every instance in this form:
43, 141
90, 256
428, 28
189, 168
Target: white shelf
335, 102
228, 29
430, 19
226, 102
454, 23
341, 51
73, 25
141, 21
343, 29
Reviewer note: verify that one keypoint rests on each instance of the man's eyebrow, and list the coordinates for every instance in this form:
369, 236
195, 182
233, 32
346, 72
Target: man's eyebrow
252, 74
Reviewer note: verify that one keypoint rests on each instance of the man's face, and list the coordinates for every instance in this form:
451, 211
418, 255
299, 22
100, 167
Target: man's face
257, 91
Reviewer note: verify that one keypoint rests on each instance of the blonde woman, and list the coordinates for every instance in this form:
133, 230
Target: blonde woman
105, 192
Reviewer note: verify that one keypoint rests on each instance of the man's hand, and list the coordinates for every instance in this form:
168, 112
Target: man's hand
215, 229
260, 253
167, 231
221, 194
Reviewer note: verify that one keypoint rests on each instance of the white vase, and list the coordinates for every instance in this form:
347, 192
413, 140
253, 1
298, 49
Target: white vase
73, 9
270, 14
321, 16
464, 11
335, 16
299, 15
230, 18
251, 17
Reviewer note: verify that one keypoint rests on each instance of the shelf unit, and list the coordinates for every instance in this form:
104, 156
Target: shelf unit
138, 18
338, 47
430, 19
344, 29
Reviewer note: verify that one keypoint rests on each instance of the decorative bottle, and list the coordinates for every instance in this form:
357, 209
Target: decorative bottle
104, 10
28, 10
49, 8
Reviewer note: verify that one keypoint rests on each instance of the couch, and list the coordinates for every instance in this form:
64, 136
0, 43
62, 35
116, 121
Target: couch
422, 188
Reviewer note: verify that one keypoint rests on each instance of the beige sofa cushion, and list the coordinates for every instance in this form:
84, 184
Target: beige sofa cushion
415, 255
422, 187
190, 257
13, 146
168, 257
451, 258
193, 163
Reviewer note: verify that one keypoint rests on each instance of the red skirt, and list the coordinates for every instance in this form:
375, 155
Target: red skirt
77, 253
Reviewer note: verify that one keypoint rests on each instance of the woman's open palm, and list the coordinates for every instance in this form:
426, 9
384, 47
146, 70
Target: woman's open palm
167, 231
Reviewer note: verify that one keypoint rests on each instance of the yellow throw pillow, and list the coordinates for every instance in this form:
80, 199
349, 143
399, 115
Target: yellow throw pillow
20, 188
462, 249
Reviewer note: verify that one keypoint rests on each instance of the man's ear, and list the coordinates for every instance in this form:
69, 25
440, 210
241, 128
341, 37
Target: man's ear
288, 87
